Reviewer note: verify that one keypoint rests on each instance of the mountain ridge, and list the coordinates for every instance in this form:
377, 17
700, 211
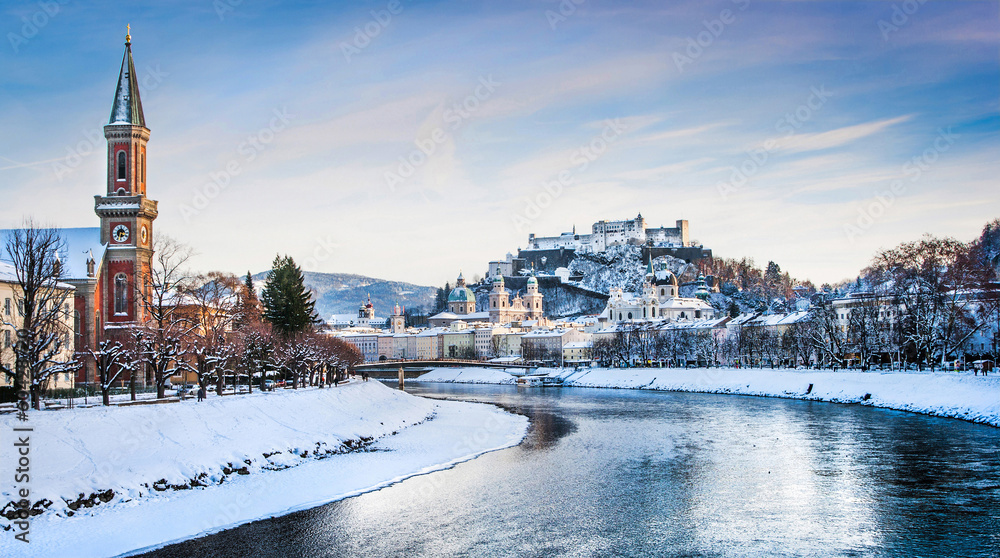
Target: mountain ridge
343, 293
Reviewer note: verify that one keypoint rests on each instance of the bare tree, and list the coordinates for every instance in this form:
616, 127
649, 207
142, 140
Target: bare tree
166, 323
930, 281
111, 360
42, 320
216, 300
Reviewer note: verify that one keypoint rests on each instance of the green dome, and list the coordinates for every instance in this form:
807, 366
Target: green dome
532, 280
462, 294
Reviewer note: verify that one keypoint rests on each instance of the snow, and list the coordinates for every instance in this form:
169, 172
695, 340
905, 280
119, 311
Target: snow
87, 450
945, 394
469, 375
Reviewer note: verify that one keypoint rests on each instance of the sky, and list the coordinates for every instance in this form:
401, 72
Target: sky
413, 140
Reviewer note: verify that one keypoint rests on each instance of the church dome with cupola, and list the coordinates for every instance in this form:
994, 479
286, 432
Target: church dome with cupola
461, 300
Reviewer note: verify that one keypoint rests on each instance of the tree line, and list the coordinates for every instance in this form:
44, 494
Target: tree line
918, 303
212, 325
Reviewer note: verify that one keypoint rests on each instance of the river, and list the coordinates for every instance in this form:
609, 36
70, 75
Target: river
633, 473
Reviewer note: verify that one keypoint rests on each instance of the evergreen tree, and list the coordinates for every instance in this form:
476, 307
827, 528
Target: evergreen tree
250, 287
734, 309
288, 304
248, 311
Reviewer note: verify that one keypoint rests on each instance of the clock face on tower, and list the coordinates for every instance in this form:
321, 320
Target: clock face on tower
120, 233
143, 234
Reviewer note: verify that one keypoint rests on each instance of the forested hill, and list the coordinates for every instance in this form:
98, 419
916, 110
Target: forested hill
343, 293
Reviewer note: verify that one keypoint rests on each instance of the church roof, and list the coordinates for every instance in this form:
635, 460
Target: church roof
462, 294
128, 106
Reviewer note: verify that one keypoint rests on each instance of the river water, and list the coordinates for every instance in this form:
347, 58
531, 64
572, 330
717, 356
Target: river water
633, 473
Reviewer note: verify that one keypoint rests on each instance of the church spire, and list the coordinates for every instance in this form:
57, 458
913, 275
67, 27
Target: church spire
128, 107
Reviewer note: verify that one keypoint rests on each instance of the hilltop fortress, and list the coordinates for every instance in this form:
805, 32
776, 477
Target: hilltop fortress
545, 254
615, 233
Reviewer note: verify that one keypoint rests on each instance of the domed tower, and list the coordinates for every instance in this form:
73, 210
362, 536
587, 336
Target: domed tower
701, 288
397, 322
499, 302
462, 300
666, 284
366, 312
533, 300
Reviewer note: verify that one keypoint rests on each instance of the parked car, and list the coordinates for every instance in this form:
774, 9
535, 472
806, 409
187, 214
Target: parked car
269, 385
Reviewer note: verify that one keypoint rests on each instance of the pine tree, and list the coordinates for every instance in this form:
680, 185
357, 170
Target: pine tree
251, 288
288, 304
734, 309
248, 311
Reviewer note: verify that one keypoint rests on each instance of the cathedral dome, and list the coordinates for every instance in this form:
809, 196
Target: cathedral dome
462, 294
532, 280
665, 277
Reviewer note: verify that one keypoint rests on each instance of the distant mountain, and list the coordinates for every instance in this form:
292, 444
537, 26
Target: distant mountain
343, 293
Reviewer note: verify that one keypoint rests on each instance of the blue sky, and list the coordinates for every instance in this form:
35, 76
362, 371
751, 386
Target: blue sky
857, 125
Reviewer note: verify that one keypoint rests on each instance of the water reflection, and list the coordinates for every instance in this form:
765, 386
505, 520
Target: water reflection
607, 472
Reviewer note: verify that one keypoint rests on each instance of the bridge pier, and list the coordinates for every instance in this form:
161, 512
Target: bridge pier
401, 376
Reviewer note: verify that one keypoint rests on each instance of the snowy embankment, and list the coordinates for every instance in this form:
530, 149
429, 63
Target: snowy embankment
179, 470
946, 394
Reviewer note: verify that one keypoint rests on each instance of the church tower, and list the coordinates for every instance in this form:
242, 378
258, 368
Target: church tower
499, 302
397, 322
126, 213
533, 300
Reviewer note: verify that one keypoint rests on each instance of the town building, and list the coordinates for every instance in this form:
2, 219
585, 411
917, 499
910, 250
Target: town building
11, 319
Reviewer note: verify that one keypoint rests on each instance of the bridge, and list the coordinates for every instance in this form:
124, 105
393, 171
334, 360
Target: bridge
414, 368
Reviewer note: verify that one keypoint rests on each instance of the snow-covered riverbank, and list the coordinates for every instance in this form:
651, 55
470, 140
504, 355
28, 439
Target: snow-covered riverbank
946, 394
273, 453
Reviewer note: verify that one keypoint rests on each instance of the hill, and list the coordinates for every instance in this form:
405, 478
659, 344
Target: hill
343, 293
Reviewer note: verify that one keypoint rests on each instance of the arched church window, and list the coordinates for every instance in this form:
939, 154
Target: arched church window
121, 294
630, 315
121, 165
143, 161
654, 312
643, 312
